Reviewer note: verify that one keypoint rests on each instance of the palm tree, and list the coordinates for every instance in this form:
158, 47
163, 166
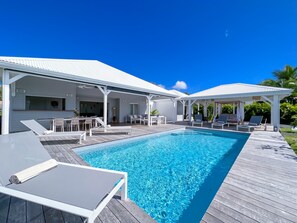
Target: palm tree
286, 78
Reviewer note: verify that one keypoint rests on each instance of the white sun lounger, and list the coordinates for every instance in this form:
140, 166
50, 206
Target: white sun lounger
42, 132
107, 128
254, 122
80, 190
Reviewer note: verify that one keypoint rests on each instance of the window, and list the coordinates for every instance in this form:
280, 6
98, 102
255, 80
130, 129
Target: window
134, 109
45, 103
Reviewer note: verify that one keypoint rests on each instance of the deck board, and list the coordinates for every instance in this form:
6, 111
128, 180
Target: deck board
260, 187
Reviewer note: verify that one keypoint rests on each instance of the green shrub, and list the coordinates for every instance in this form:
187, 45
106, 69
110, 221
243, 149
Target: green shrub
288, 111
294, 123
257, 108
227, 109
154, 112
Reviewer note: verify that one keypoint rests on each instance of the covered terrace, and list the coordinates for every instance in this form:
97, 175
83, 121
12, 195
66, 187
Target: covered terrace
39, 88
238, 94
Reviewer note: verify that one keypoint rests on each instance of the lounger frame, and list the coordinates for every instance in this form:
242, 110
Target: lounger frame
90, 215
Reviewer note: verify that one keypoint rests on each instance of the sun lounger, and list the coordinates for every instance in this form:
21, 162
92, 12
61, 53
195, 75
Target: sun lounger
198, 120
220, 122
255, 121
42, 132
107, 128
80, 190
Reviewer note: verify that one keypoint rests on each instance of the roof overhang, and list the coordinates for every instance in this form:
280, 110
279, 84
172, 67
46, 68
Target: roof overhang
37, 72
204, 96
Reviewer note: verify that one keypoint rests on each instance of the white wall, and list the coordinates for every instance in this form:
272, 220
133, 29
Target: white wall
33, 86
166, 108
125, 101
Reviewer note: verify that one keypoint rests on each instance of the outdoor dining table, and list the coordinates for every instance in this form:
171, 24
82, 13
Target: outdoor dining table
67, 120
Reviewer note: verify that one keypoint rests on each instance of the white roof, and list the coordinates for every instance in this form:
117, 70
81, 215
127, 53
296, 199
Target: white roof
87, 71
178, 93
238, 90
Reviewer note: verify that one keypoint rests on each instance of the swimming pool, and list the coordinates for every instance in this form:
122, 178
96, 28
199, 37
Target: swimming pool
173, 176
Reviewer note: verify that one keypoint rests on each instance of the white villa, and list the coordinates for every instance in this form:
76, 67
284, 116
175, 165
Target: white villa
43, 89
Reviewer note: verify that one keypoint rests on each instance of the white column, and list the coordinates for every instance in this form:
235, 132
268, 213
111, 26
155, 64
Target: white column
205, 110
105, 93
183, 102
276, 113
105, 109
189, 110
174, 110
214, 111
242, 111
271, 114
233, 108
219, 109
149, 98
5, 102
198, 105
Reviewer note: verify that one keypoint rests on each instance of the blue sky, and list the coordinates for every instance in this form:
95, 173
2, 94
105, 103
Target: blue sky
203, 43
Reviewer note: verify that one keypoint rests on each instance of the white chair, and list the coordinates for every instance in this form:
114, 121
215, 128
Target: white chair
80, 190
107, 128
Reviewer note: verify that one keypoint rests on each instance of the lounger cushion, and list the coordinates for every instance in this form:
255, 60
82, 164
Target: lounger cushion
81, 187
33, 171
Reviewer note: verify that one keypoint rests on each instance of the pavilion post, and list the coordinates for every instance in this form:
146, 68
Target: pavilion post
105, 93
198, 105
241, 109
233, 108
219, 109
205, 110
190, 110
149, 98
5, 102
276, 113
174, 101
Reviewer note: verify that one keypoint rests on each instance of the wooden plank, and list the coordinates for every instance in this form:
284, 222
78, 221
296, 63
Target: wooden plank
106, 216
17, 211
234, 213
138, 213
254, 211
221, 215
71, 218
211, 219
261, 188
273, 201
120, 212
52, 215
34, 213
277, 211
4, 207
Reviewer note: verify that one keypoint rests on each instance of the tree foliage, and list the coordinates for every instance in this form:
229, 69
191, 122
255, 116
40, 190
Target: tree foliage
286, 78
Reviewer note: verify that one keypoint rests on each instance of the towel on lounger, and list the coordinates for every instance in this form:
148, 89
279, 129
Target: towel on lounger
33, 171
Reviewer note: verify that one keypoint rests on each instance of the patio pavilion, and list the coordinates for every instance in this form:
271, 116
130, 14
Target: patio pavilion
39, 88
238, 94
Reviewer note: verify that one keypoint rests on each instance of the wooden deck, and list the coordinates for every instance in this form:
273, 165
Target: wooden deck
261, 186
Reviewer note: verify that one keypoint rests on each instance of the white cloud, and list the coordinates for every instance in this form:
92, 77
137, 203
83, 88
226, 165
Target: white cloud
180, 85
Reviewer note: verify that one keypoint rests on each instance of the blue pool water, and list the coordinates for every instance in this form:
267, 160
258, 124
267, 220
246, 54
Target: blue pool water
172, 176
